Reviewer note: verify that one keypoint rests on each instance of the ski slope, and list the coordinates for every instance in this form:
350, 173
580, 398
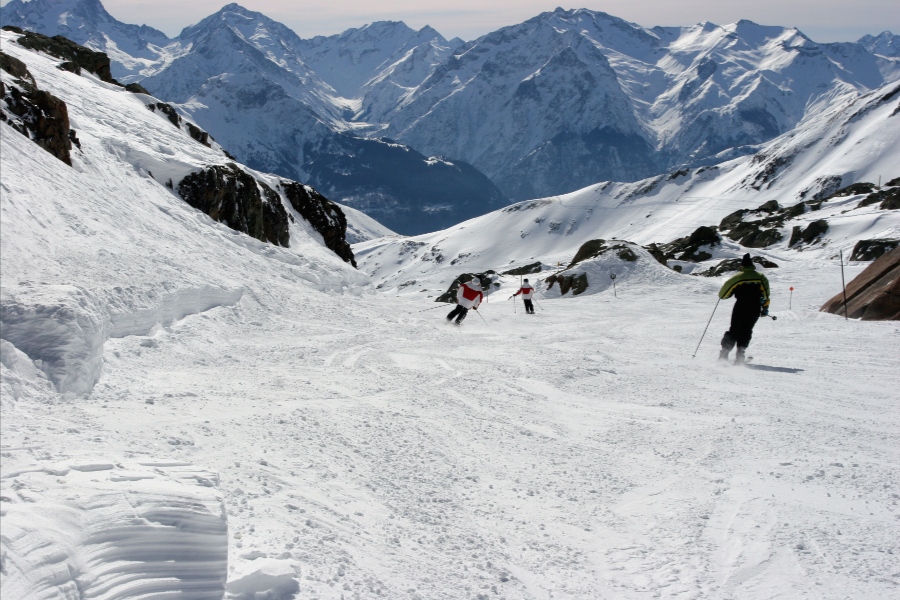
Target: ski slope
248, 421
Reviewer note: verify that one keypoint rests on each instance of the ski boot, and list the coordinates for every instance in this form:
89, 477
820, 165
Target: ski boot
723, 354
739, 356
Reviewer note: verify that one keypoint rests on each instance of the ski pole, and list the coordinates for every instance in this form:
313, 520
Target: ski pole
432, 308
482, 317
707, 327
844, 284
538, 303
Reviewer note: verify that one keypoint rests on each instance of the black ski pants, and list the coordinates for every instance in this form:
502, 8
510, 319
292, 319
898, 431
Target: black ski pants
743, 318
529, 307
459, 312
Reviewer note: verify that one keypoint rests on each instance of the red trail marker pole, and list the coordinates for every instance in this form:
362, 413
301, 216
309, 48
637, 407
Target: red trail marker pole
791, 298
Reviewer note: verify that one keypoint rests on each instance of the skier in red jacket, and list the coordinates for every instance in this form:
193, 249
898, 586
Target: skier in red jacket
527, 292
469, 295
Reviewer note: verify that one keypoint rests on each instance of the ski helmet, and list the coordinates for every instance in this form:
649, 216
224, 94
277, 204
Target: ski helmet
526, 281
475, 281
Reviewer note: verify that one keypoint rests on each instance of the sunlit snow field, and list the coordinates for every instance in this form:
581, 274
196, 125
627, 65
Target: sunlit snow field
576, 453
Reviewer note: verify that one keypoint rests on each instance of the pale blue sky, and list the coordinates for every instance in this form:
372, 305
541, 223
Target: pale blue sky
822, 20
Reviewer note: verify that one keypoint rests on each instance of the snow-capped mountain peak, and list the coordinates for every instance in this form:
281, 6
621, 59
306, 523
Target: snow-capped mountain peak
885, 43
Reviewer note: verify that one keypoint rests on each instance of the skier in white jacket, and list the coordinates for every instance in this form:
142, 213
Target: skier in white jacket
527, 292
469, 295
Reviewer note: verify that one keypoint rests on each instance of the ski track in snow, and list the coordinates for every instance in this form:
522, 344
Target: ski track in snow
576, 453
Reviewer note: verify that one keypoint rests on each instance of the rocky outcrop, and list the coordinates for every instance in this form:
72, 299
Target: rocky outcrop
172, 115
889, 199
136, 88
594, 248
872, 249
688, 248
809, 234
77, 57
324, 215
762, 231
874, 295
734, 264
233, 197
525, 270
35, 113
578, 283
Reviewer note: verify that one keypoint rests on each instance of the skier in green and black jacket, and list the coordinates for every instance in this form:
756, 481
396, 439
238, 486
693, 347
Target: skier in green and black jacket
751, 291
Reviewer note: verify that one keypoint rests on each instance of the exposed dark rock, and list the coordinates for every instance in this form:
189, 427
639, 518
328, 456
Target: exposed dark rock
808, 235
874, 295
589, 249
625, 253
169, 111
688, 248
889, 198
197, 133
892, 201
828, 186
64, 48
750, 234
734, 264
15, 67
34, 113
486, 279
873, 249
852, 190
526, 270
233, 197
895, 181
576, 283
324, 215
769, 171
733, 220
136, 88
769, 207
657, 253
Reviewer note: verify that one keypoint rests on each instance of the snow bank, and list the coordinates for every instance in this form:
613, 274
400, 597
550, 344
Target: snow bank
62, 329
267, 578
95, 528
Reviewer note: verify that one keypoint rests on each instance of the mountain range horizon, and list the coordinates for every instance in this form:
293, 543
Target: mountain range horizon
421, 132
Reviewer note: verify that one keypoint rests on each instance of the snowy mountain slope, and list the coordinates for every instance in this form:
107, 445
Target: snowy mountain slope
361, 227
128, 152
675, 95
244, 81
387, 51
885, 43
853, 141
135, 50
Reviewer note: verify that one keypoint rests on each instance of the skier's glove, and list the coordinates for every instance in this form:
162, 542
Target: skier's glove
764, 312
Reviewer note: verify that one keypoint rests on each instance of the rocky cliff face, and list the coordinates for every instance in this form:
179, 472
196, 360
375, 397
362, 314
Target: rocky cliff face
233, 197
34, 113
325, 216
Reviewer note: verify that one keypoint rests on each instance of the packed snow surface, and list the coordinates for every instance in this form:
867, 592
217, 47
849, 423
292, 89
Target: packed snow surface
245, 421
